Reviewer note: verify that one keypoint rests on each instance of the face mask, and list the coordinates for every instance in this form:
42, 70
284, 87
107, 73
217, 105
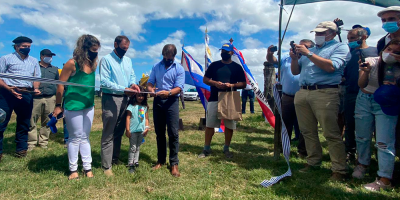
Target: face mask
319, 40
225, 56
390, 27
25, 51
387, 58
92, 55
168, 62
47, 60
354, 44
120, 52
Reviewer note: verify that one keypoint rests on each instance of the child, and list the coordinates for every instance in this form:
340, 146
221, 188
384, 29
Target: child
137, 126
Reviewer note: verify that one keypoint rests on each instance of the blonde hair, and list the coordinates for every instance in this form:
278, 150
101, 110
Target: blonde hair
83, 45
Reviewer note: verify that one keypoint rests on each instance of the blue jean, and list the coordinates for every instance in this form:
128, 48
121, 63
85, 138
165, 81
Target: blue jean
368, 115
23, 110
247, 94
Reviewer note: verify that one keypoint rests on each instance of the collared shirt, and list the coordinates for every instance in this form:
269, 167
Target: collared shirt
50, 72
116, 73
333, 50
290, 82
14, 64
167, 78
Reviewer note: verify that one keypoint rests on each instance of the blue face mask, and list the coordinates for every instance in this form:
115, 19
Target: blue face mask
390, 27
354, 44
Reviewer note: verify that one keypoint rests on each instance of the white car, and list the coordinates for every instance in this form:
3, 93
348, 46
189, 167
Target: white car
191, 94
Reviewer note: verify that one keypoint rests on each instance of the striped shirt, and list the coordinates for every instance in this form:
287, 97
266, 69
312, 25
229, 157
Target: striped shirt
14, 64
373, 83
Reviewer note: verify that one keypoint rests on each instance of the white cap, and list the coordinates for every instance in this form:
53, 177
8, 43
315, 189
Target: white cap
389, 9
324, 26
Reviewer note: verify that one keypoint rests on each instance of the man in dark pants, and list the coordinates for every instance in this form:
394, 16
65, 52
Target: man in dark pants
290, 85
358, 46
247, 93
16, 95
169, 78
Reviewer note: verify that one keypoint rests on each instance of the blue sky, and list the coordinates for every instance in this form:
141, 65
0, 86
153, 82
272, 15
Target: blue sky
253, 24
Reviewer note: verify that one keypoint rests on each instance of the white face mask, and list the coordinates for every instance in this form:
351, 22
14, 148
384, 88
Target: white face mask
319, 40
387, 58
47, 60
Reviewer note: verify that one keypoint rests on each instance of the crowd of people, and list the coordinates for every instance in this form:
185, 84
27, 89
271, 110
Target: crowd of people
315, 75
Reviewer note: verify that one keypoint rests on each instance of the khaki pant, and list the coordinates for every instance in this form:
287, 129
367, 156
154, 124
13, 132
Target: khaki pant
41, 108
313, 106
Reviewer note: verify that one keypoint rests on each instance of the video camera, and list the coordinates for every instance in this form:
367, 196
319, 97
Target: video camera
339, 23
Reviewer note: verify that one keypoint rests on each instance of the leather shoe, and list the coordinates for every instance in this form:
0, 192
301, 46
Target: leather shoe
175, 171
157, 166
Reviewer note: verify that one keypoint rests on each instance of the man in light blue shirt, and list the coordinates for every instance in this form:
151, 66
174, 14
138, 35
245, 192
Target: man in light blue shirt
16, 95
321, 70
167, 79
116, 75
290, 85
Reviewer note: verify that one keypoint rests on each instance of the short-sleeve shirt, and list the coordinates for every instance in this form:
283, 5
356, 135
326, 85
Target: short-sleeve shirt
138, 118
225, 73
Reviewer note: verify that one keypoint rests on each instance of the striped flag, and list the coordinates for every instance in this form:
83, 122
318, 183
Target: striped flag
238, 58
194, 72
208, 52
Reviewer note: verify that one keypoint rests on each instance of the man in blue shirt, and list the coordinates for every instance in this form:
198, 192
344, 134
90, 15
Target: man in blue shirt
320, 70
16, 95
116, 75
290, 85
167, 80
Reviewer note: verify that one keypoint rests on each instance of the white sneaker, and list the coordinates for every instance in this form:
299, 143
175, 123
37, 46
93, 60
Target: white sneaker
359, 172
377, 185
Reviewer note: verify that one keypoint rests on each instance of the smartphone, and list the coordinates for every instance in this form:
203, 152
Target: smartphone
362, 58
293, 47
274, 48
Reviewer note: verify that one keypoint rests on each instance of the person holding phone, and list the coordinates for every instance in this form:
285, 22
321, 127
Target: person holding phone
79, 102
369, 115
359, 50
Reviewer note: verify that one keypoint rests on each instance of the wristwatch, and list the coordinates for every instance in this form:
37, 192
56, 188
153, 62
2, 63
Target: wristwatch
310, 54
169, 93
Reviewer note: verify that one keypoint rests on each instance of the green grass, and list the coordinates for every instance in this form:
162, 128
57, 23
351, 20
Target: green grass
43, 173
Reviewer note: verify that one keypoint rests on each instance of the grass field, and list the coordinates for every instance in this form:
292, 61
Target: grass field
43, 173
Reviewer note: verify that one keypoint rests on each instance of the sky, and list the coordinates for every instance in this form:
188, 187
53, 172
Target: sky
150, 24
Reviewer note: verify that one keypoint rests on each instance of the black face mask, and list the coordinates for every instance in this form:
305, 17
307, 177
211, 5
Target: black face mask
92, 55
168, 62
25, 51
120, 52
225, 56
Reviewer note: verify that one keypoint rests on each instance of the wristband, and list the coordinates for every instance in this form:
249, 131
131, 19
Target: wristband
146, 127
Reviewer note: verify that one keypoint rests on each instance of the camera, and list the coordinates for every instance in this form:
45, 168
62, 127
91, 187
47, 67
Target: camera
339, 22
274, 48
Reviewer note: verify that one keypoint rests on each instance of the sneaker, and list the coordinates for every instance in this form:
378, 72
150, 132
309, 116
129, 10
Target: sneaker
204, 154
44, 147
30, 148
228, 154
309, 168
338, 177
136, 165
108, 172
359, 172
377, 185
20, 154
132, 169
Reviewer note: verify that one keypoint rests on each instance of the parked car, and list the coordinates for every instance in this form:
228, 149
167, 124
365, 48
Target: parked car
191, 94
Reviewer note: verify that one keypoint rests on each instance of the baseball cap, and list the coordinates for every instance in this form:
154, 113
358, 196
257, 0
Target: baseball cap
389, 9
388, 97
47, 52
227, 47
359, 26
324, 26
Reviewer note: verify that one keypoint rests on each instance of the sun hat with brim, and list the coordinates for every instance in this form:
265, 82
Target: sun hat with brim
388, 97
389, 9
324, 26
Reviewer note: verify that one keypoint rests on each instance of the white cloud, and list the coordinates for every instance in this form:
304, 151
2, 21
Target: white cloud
251, 43
155, 51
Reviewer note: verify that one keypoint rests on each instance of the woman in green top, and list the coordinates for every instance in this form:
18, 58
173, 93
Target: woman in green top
79, 102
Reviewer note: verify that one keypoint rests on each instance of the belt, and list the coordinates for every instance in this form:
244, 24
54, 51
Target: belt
317, 87
115, 95
288, 95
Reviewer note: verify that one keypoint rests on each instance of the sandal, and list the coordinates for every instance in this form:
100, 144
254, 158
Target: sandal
74, 178
85, 173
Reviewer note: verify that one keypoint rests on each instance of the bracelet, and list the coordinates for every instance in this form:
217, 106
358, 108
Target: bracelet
146, 127
58, 105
